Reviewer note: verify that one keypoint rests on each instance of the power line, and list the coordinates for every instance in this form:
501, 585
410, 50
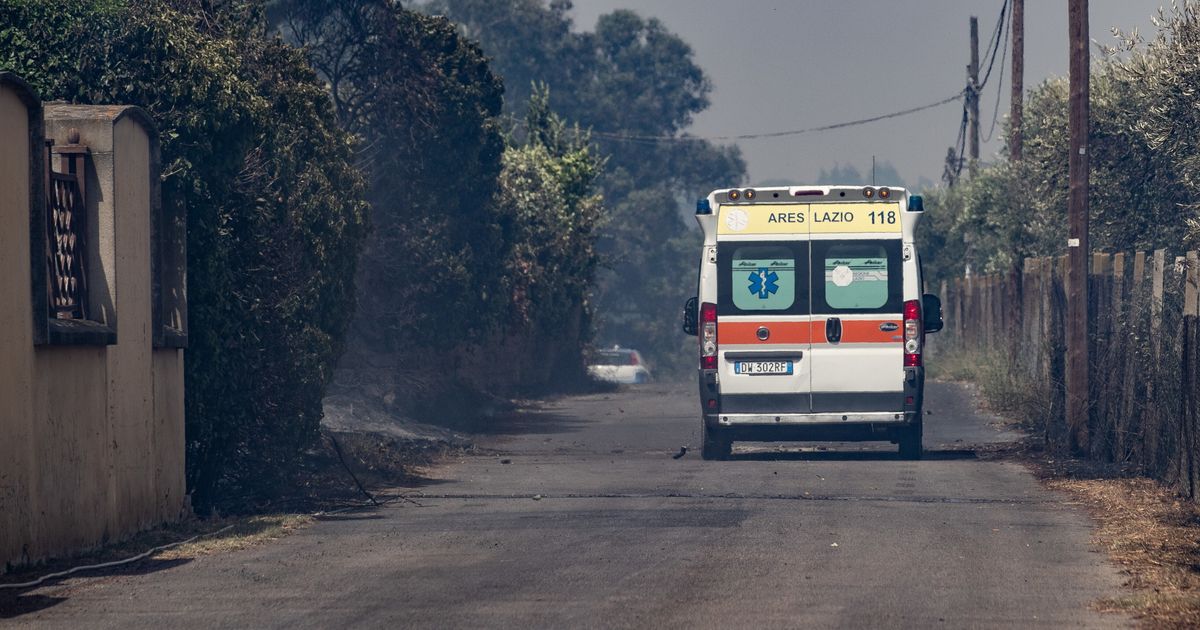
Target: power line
962, 144
975, 87
994, 44
999, 86
775, 134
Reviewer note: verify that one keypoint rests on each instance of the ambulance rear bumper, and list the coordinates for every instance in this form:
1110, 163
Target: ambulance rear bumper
807, 427
754, 419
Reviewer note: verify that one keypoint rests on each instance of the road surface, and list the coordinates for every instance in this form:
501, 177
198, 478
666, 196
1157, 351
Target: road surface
576, 515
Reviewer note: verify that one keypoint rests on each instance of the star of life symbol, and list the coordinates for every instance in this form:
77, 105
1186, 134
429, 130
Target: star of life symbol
764, 283
736, 220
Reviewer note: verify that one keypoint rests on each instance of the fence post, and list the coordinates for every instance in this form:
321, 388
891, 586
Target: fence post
997, 310
1100, 356
1028, 336
1191, 365
1186, 456
1134, 378
1191, 284
1152, 419
982, 289
959, 300
1156, 300
969, 311
999, 326
1047, 291
1120, 349
988, 324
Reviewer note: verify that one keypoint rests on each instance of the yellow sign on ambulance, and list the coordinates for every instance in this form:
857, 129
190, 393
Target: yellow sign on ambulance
817, 218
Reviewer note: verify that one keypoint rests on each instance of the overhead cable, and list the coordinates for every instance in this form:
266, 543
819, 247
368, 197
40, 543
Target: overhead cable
619, 137
994, 44
999, 87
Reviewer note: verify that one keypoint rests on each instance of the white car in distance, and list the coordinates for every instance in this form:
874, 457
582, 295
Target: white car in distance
619, 365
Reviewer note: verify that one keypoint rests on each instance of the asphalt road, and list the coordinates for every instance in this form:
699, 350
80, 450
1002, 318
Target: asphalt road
576, 515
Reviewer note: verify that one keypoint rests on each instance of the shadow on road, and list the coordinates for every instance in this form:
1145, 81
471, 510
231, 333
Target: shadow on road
850, 456
523, 422
12, 605
17, 602
350, 516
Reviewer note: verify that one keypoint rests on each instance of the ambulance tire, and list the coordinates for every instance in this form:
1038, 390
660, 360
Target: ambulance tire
714, 446
910, 442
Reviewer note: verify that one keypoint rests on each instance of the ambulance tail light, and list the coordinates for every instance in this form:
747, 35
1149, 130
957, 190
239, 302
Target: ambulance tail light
913, 333
708, 336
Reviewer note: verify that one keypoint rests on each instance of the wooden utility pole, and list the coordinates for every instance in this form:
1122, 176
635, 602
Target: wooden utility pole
973, 95
1016, 278
1017, 111
1077, 243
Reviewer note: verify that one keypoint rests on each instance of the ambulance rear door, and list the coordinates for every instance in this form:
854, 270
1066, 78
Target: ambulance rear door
763, 309
857, 305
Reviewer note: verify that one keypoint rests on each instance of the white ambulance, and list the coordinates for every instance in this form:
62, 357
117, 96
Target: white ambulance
811, 316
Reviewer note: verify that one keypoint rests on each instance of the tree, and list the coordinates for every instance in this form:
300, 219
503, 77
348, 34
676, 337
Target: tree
628, 79
551, 213
423, 102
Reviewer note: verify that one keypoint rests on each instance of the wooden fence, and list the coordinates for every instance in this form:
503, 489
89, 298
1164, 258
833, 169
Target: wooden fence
1144, 352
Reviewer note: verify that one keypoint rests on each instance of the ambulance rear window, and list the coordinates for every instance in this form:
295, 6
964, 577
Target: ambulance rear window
857, 277
763, 278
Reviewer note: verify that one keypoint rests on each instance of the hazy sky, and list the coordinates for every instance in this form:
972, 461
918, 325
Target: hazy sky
779, 65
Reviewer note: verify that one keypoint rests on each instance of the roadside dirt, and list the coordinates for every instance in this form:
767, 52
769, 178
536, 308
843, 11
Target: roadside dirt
1150, 532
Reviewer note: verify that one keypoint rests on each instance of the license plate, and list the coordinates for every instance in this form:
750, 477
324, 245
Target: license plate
758, 368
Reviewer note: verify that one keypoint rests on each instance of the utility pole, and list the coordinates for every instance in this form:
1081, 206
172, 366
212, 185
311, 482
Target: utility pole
973, 95
1015, 287
1077, 243
1017, 111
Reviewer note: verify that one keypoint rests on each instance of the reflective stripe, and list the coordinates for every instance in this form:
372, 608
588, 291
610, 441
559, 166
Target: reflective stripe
782, 333
791, 333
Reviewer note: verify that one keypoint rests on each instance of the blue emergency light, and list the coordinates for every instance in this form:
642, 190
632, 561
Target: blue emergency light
703, 207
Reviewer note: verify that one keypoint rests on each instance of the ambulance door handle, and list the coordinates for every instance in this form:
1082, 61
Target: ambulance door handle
833, 329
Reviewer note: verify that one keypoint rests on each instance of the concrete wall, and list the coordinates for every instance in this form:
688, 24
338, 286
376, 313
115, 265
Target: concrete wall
16, 324
91, 436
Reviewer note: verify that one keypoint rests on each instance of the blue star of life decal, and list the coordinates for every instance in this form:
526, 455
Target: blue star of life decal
764, 283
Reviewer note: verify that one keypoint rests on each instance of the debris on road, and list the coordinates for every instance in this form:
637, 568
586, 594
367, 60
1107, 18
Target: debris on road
681, 453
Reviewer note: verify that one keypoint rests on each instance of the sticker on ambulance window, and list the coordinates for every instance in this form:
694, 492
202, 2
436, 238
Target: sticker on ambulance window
762, 281
856, 282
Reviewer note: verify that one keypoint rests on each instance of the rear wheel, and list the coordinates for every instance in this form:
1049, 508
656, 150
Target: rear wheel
910, 441
714, 446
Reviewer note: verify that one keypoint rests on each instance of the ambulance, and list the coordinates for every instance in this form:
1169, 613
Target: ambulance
811, 316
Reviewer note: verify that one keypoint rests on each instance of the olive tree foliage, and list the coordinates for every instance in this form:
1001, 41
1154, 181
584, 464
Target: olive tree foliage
626, 79
1144, 138
276, 211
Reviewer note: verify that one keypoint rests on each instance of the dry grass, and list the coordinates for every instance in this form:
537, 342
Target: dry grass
1002, 391
244, 532
1155, 537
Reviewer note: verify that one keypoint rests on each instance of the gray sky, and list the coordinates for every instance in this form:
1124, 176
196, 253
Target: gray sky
779, 65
